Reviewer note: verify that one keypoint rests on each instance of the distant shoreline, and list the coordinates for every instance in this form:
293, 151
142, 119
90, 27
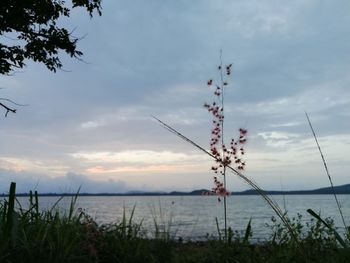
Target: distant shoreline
342, 189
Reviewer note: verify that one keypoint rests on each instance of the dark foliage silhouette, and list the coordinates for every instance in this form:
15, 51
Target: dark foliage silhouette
30, 30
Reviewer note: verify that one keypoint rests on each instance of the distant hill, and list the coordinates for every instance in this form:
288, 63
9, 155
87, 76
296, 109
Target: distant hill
341, 189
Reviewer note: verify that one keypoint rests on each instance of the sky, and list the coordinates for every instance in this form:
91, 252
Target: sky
90, 124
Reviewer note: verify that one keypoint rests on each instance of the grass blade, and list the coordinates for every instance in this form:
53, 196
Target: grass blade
337, 236
218, 228
10, 209
275, 207
72, 205
248, 231
327, 171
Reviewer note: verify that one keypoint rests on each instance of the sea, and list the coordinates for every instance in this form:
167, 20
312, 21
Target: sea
194, 217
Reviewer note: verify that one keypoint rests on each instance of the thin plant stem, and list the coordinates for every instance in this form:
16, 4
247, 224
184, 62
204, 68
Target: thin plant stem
327, 171
223, 141
222, 104
225, 204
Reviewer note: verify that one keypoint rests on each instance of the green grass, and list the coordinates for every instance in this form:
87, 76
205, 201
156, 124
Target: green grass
34, 235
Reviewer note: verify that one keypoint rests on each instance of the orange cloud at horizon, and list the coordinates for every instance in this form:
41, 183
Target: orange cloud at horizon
169, 168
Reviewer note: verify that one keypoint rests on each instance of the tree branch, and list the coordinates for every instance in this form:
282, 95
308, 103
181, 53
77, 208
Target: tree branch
8, 109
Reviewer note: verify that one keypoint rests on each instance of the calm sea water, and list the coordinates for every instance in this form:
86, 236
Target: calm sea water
194, 216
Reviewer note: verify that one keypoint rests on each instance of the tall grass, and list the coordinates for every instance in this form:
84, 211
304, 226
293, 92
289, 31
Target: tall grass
222, 155
225, 154
275, 207
36, 235
162, 223
310, 211
57, 235
29, 234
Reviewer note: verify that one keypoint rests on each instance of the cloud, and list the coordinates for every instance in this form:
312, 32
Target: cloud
70, 183
154, 58
133, 157
139, 161
278, 139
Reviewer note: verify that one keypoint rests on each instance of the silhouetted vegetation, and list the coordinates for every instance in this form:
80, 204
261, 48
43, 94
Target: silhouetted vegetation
31, 31
34, 235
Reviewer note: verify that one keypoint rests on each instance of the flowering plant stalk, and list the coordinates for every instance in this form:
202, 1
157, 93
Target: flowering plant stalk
227, 164
224, 155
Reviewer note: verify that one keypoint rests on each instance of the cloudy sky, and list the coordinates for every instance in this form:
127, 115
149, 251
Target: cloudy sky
90, 124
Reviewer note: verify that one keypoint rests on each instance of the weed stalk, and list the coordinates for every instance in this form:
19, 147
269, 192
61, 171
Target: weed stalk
327, 171
275, 207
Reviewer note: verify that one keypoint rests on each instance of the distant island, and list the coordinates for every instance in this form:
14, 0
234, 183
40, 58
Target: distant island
341, 189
